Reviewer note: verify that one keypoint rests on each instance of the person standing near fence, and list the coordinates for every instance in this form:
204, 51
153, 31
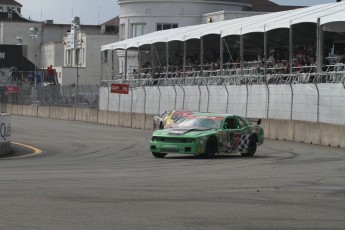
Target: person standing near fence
50, 73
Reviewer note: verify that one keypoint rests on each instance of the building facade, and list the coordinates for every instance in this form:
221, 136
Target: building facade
43, 44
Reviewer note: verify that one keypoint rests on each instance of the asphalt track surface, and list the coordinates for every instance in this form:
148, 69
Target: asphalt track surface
99, 177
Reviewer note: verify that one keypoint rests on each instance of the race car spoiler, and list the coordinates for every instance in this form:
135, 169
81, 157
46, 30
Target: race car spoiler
255, 120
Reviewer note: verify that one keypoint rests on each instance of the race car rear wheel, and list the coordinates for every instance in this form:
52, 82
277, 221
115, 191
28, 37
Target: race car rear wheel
253, 143
159, 155
211, 148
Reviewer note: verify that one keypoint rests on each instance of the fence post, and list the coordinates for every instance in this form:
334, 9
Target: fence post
175, 97
268, 100
131, 106
292, 94
144, 99
118, 107
208, 98
159, 102
199, 98
318, 102
98, 100
227, 98
247, 99
108, 87
184, 97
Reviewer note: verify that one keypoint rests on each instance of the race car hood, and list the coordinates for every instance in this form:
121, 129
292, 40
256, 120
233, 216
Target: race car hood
182, 131
188, 131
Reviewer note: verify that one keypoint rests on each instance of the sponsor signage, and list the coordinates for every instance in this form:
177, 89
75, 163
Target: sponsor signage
120, 88
12, 89
10, 55
5, 128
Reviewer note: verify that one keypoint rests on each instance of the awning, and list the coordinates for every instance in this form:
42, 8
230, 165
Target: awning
327, 13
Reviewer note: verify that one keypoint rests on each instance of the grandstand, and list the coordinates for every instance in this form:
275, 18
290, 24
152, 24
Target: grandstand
299, 45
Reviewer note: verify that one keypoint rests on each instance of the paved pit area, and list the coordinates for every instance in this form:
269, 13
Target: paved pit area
99, 177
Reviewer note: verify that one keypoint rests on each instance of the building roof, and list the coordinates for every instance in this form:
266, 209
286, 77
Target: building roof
114, 21
268, 6
10, 2
16, 17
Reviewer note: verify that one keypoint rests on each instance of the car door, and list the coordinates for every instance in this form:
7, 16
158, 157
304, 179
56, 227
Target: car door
235, 134
243, 142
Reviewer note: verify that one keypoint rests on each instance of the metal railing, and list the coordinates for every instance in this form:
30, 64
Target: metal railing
88, 95
215, 78
54, 95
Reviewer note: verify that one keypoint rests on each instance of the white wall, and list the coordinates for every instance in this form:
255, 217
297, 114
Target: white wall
52, 54
298, 102
227, 15
183, 13
56, 32
93, 56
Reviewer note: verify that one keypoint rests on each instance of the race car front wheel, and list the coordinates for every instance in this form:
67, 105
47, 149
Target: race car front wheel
251, 147
159, 155
211, 148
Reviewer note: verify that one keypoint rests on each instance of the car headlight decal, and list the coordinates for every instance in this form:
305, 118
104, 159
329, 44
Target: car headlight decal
203, 140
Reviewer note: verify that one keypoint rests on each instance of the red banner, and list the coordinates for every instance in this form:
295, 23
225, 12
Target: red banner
119, 88
12, 89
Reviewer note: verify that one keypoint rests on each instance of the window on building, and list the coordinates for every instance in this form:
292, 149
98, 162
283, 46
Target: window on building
122, 32
1, 9
68, 58
111, 29
166, 26
137, 29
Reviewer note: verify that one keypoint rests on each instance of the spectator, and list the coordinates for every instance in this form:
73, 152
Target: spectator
50, 73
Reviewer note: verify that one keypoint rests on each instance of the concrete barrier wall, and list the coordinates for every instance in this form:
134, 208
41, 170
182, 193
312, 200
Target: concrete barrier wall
281, 130
332, 135
307, 132
5, 137
286, 130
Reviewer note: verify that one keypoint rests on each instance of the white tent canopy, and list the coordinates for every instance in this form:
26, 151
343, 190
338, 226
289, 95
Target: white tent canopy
327, 13
333, 17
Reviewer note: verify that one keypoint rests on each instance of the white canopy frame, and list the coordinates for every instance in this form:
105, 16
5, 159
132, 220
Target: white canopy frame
320, 14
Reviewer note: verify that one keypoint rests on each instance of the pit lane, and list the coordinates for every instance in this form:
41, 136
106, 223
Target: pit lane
101, 177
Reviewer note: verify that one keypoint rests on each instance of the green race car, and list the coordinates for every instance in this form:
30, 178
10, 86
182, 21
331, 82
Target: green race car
208, 135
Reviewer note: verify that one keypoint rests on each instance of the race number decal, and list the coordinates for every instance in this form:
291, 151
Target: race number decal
234, 139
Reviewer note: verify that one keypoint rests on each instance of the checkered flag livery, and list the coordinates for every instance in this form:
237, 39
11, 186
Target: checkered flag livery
243, 143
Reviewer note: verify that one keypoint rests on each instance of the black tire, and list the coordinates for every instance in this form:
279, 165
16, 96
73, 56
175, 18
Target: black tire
211, 148
253, 143
159, 155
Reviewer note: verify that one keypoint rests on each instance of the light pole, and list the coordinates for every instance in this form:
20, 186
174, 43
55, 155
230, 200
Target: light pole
34, 34
75, 27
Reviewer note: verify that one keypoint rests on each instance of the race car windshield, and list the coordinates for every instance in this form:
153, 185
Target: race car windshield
201, 123
176, 116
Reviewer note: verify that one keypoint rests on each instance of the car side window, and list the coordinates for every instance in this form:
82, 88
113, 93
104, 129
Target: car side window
231, 123
241, 123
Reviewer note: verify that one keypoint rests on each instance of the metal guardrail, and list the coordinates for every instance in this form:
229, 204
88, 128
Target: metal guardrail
213, 78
